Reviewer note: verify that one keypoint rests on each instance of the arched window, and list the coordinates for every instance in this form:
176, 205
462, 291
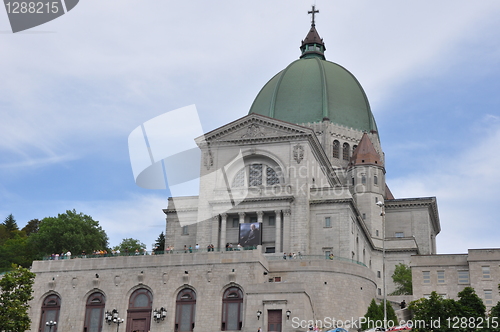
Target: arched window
94, 313
345, 151
139, 310
375, 179
185, 310
50, 312
354, 148
258, 174
363, 179
232, 309
336, 149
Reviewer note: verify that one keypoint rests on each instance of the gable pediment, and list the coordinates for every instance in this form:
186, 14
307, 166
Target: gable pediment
254, 127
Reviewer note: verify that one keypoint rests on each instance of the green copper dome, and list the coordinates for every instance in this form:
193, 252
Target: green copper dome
311, 89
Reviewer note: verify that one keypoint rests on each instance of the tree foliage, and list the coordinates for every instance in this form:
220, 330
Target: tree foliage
31, 227
471, 304
15, 292
402, 279
130, 246
374, 314
10, 224
434, 309
76, 232
160, 243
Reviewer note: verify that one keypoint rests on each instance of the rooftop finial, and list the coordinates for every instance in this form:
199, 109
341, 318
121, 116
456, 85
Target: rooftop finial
313, 11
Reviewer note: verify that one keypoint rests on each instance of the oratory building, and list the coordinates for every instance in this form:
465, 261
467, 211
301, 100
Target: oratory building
296, 230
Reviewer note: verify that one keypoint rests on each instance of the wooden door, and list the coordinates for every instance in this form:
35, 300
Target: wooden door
274, 320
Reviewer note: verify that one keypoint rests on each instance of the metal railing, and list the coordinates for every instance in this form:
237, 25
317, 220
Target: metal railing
143, 253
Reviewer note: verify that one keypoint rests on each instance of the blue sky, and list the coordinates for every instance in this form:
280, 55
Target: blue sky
73, 89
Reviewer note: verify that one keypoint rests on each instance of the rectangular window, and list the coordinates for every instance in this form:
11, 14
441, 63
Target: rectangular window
270, 250
364, 216
379, 291
376, 232
185, 230
488, 297
486, 272
277, 279
327, 253
328, 222
399, 234
426, 277
378, 274
236, 222
440, 277
253, 219
272, 221
463, 277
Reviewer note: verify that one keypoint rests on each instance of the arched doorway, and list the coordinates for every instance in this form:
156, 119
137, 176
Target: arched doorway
185, 310
139, 311
50, 312
94, 313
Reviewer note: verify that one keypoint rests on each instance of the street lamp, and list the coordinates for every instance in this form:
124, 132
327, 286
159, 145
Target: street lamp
259, 313
50, 324
113, 317
160, 314
288, 313
382, 214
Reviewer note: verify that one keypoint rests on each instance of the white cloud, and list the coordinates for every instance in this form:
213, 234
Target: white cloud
467, 187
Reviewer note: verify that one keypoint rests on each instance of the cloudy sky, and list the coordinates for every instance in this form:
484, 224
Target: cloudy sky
72, 90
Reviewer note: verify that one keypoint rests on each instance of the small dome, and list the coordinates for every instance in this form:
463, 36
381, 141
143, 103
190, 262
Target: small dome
311, 89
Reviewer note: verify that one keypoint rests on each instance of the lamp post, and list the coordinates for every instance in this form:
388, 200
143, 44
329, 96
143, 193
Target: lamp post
159, 314
382, 214
50, 324
113, 317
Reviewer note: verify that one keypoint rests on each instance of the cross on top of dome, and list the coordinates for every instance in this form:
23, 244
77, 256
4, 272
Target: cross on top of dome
313, 11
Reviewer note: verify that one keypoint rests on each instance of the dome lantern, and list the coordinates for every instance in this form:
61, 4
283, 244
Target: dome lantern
312, 45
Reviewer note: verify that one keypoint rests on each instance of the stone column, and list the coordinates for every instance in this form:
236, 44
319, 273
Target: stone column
222, 245
215, 232
260, 215
277, 219
242, 217
286, 231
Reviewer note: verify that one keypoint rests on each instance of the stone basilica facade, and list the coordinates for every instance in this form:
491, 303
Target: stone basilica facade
301, 203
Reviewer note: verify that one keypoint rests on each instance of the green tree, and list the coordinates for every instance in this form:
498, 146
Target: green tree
10, 223
391, 314
16, 251
432, 309
471, 304
76, 232
160, 243
373, 315
32, 227
15, 292
130, 246
402, 279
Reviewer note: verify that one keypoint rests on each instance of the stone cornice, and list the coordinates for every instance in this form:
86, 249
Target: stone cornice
167, 211
256, 199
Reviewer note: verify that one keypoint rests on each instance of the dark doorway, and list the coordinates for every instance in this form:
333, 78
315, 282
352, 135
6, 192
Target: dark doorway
274, 320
